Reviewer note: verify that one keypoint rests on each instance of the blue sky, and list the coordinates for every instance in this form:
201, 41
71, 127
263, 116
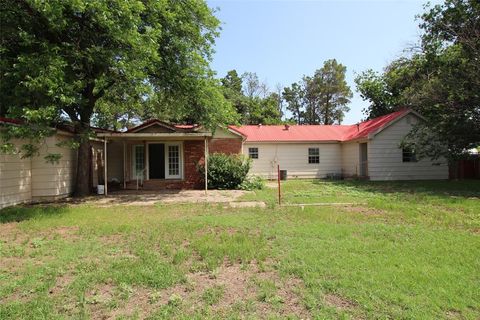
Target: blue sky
283, 40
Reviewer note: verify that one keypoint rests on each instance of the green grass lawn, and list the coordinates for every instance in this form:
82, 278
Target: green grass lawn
408, 250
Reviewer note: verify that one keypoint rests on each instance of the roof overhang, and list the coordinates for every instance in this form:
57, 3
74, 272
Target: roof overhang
409, 111
122, 135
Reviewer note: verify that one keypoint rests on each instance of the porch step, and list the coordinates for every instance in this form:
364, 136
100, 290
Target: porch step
159, 184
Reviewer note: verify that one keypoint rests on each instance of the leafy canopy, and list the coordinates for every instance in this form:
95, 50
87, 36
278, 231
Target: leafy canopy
108, 61
322, 98
441, 81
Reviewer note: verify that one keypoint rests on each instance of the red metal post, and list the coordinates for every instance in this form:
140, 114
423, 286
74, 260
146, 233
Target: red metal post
279, 192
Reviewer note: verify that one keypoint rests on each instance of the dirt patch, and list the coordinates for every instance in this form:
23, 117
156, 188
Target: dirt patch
97, 300
454, 314
237, 285
61, 283
11, 234
66, 232
339, 302
149, 198
364, 210
113, 239
248, 204
217, 230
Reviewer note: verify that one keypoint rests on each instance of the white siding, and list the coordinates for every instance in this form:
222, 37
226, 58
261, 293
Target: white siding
350, 159
32, 179
15, 179
294, 158
385, 156
53, 180
224, 133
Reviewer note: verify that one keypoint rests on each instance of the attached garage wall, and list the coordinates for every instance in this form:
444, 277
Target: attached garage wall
293, 157
385, 156
15, 179
53, 180
33, 179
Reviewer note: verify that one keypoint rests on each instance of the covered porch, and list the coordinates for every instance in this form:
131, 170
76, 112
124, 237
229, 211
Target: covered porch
154, 160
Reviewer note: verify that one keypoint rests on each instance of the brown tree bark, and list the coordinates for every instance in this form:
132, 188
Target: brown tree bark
82, 187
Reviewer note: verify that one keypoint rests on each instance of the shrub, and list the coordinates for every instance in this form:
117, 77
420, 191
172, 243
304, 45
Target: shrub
253, 183
225, 171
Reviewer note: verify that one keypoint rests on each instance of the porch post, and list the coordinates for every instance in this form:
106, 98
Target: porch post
124, 166
206, 165
105, 178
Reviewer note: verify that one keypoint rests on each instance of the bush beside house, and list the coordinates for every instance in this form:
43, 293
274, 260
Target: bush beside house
226, 171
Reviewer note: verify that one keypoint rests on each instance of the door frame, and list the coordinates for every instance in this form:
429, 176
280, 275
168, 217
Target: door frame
180, 160
147, 155
133, 161
166, 144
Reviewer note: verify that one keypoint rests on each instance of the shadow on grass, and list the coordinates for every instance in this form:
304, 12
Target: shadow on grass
22, 213
442, 189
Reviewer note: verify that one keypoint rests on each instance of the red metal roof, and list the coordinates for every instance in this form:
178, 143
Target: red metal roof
280, 133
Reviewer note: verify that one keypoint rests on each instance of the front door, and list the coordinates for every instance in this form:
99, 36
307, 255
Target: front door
363, 160
156, 161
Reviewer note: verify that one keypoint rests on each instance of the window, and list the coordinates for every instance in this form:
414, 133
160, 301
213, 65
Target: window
253, 153
174, 160
408, 155
139, 160
313, 155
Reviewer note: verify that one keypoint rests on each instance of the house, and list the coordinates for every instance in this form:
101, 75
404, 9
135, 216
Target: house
154, 155
370, 149
157, 155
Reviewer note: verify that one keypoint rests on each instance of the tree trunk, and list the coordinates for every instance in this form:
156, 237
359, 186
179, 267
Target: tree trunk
82, 187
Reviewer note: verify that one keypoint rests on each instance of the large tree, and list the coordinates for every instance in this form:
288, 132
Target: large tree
322, 98
440, 80
332, 92
251, 99
294, 97
78, 60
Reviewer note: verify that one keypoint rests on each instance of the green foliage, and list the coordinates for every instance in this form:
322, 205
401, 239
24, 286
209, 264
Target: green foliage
213, 295
374, 88
253, 183
250, 98
226, 171
53, 158
294, 97
321, 98
441, 81
108, 61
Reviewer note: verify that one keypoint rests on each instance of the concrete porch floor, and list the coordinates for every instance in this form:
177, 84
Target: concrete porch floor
145, 198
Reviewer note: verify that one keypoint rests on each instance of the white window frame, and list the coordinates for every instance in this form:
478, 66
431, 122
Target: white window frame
180, 160
134, 160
